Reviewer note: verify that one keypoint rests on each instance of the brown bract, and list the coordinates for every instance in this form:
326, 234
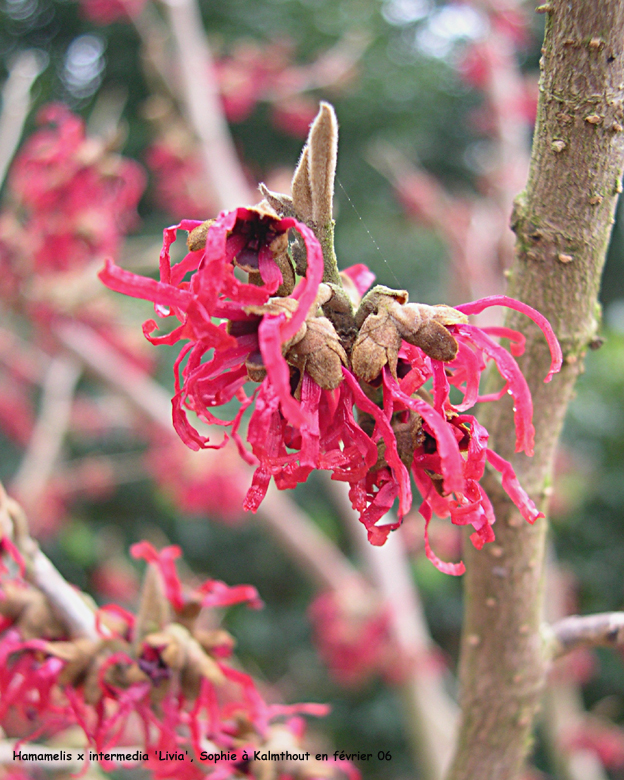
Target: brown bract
320, 353
386, 319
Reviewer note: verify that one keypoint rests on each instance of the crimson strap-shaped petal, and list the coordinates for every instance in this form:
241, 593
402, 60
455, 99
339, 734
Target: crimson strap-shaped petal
476, 307
136, 286
451, 461
165, 563
270, 338
455, 569
169, 236
387, 434
306, 290
361, 276
518, 388
217, 594
513, 488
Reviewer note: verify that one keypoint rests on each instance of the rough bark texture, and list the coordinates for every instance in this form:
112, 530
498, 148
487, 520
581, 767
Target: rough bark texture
562, 222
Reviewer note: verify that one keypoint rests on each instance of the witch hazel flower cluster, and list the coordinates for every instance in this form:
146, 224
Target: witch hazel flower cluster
305, 370
70, 201
158, 685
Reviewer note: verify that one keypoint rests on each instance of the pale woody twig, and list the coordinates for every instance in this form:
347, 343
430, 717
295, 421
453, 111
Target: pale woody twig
66, 601
47, 439
146, 394
326, 566
203, 106
605, 629
431, 713
16, 104
563, 709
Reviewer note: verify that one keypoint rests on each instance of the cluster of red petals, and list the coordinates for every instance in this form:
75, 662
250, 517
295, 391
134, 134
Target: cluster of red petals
104, 12
178, 182
251, 74
34, 705
352, 638
291, 437
211, 485
70, 200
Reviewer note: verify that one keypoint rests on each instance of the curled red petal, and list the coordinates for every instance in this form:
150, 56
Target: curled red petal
306, 290
518, 388
361, 276
387, 434
517, 340
455, 569
120, 280
217, 594
451, 461
165, 563
513, 488
270, 336
475, 307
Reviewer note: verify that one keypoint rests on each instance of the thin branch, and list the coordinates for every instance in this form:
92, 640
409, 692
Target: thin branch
203, 106
16, 104
431, 713
66, 601
48, 435
563, 710
117, 371
604, 629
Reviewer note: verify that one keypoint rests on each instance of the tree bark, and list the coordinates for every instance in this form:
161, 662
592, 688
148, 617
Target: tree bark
562, 223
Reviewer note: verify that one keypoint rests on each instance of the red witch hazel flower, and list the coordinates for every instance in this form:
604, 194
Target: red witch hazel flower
341, 378
70, 200
159, 680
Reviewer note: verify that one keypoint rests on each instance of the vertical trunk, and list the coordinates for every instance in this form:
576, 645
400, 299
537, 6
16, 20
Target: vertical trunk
562, 223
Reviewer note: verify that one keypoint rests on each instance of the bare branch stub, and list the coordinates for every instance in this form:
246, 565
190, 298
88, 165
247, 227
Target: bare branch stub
604, 629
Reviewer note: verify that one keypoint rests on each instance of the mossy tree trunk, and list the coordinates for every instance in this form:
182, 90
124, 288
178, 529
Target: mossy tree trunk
562, 222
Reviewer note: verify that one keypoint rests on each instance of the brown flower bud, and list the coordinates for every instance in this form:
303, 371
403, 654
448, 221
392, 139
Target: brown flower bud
379, 297
197, 237
435, 341
409, 436
377, 344
256, 369
424, 326
320, 353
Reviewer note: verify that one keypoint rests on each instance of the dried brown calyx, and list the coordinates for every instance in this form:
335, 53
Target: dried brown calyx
318, 350
315, 348
385, 318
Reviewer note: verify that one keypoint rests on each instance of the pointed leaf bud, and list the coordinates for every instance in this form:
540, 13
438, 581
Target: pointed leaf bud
282, 204
302, 188
323, 145
154, 610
